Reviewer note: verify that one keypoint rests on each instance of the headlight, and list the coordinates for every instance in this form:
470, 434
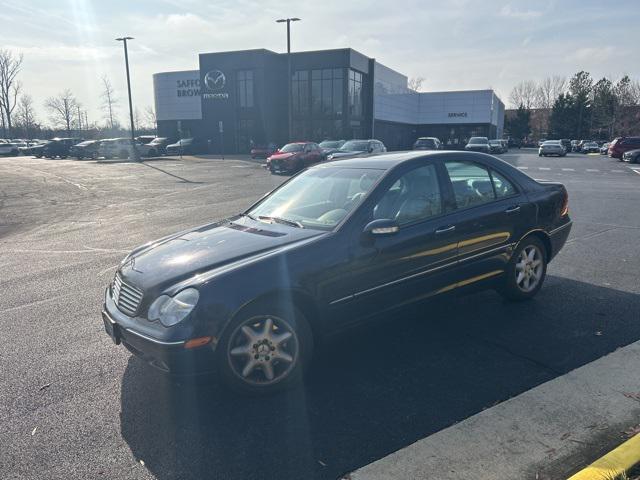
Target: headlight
172, 310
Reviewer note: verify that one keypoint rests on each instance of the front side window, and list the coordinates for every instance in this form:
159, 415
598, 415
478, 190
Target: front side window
318, 198
413, 197
471, 183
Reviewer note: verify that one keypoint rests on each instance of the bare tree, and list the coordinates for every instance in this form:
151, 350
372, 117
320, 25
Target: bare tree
524, 94
63, 109
9, 85
109, 102
26, 116
150, 117
549, 90
415, 83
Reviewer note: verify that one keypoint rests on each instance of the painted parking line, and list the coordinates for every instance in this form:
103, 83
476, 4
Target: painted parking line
523, 168
592, 170
635, 169
568, 169
544, 168
617, 171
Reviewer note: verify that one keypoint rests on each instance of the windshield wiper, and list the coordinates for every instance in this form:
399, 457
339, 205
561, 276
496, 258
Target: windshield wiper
291, 223
248, 215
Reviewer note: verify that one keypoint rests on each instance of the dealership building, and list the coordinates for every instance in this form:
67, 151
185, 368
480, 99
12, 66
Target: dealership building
239, 98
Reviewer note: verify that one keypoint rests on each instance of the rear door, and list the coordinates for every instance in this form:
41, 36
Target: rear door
492, 214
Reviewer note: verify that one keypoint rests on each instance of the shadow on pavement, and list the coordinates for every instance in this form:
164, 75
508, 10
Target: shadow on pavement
375, 389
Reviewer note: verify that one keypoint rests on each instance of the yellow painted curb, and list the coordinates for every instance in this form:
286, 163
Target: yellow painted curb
614, 463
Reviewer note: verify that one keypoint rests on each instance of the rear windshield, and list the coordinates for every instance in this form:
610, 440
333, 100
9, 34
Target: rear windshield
479, 140
425, 142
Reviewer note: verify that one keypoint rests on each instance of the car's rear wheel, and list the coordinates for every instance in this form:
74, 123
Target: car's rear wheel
265, 350
526, 271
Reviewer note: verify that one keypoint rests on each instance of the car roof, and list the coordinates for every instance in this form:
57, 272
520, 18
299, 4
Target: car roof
386, 161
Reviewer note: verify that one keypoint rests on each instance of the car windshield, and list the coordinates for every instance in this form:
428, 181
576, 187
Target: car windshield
331, 144
495, 142
355, 146
425, 142
156, 141
185, 141
552, 142
318, 198
478, 140
292, 147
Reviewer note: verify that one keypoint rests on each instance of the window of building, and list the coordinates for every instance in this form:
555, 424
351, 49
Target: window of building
327, 92
355, 93
245, 88
245, 135
300, 92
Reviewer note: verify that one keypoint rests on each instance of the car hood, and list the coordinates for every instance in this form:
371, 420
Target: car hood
170, 260
339, 154
283, 156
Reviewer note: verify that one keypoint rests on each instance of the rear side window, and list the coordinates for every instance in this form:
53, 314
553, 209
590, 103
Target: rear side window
502, 186
471, 184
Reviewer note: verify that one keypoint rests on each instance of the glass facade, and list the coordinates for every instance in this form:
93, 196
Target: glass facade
245, 88
318, 102
355, 93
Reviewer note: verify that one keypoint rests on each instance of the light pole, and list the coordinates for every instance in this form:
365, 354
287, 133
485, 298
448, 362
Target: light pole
288, 21
134, 152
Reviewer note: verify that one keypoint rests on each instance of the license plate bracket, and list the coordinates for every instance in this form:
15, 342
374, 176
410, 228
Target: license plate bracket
111, 328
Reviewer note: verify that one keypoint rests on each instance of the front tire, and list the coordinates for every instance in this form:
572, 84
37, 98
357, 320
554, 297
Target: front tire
265, 350
526, 271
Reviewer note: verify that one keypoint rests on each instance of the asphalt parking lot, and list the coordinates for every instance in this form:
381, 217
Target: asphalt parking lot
73, 405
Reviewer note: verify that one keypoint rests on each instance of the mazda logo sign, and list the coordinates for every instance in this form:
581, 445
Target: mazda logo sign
215, 80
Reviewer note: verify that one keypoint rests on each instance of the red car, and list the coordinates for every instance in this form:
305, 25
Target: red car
263, 151
623, 144
293, 157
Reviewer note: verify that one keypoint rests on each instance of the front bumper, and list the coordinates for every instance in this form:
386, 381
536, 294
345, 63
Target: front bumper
169, 356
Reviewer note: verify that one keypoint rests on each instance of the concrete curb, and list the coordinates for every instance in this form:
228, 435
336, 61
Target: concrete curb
616, 462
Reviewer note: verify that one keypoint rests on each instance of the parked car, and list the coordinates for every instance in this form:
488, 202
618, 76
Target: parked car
294, 157
154, 148
11, 148
356, 148
115, 148
552, 147
27, 149
496, 146
478, 144
623, 144
631, 156
188, 146
59, 147
514, 142
590, 147
427, 143
574, 145
331, 146
86, 149
38, 150
541, 141
604, 148
249, 296
145, 139
566, 143
505, 144
263, 151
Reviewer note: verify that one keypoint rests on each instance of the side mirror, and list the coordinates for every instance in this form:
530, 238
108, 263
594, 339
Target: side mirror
383, 226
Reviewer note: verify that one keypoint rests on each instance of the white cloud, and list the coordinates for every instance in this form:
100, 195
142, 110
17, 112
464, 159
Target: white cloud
510, 12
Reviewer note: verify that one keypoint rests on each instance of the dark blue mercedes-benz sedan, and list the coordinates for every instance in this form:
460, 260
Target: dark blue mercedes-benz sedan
335, 245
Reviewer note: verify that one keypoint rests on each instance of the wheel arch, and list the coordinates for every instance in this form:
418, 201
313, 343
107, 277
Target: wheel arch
544, 238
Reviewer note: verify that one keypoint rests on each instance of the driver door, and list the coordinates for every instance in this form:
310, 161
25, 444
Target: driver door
416, 261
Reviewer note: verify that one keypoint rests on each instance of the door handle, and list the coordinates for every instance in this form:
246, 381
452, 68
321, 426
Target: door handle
514, 209
448, 229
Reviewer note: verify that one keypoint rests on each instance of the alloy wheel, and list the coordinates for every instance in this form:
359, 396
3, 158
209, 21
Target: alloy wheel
263, 350
529, 268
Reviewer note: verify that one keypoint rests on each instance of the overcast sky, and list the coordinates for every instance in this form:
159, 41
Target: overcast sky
453, 44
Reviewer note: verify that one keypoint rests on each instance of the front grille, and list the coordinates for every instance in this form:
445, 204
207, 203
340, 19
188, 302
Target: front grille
125, 296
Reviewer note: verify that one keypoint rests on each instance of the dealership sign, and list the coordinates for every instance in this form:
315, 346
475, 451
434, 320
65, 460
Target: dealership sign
188, 87
457, 114
215, 83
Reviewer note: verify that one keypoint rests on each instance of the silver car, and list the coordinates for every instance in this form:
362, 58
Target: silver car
552, 147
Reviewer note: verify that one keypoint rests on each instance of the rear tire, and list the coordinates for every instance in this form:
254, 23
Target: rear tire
526, 271
265, 349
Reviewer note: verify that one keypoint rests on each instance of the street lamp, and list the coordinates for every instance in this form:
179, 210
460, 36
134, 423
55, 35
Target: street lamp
288, 21
134, 152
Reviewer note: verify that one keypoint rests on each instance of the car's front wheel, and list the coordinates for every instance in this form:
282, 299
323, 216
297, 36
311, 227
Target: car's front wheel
265, 352
526, 271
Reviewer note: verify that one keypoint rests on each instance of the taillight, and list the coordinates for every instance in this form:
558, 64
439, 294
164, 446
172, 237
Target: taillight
565, 205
